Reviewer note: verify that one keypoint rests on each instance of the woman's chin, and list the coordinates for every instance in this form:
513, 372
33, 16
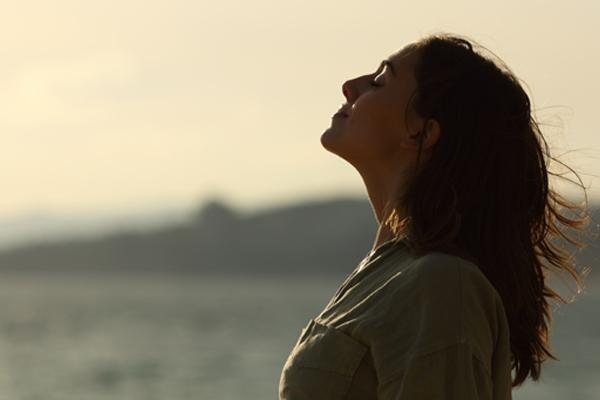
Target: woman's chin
329, 138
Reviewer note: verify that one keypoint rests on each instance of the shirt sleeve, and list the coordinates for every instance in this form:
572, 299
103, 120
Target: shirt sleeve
451, 373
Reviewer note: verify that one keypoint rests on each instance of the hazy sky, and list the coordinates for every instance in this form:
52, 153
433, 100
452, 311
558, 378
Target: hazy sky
123, 104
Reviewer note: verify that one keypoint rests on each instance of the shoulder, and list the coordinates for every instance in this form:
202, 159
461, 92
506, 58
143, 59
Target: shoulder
438, 301
452, 286
449, 274
438, 265
448, 291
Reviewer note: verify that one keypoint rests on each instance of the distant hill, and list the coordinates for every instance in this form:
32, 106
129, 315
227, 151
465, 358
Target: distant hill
313, 237
318, 237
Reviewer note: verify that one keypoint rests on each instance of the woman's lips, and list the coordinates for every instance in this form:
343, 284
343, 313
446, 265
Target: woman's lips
339, 114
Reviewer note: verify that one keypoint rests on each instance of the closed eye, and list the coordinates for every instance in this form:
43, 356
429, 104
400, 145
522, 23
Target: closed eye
373, 83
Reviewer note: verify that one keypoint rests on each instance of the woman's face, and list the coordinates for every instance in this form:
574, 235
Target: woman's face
375, 129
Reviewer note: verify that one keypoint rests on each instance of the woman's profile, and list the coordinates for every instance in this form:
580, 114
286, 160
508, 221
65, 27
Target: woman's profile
452, 302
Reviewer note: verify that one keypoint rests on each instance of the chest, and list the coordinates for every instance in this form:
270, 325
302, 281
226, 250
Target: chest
325, 363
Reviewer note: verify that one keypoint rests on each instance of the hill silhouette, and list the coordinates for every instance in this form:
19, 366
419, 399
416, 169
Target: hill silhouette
316, 237
312, 237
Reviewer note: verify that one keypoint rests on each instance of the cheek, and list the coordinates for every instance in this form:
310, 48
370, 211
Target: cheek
377, 122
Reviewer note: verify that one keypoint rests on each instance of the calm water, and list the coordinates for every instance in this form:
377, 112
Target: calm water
151, 338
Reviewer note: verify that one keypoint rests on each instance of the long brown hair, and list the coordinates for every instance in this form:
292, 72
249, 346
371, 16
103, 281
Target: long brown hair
484, 193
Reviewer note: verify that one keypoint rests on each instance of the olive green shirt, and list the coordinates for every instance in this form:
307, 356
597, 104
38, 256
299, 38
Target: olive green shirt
404, 328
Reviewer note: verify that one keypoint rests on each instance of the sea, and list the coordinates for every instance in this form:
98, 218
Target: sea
223, 338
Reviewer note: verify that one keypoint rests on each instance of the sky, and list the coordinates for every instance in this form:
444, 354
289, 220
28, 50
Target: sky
130, 104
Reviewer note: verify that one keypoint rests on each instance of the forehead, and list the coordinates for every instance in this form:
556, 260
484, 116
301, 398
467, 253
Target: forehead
405, 58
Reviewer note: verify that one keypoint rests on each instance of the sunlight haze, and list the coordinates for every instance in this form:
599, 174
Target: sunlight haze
134, 104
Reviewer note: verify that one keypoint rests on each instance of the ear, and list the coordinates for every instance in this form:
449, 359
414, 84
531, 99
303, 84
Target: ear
430, 134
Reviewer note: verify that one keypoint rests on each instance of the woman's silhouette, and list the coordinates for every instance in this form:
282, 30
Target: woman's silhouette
453, 296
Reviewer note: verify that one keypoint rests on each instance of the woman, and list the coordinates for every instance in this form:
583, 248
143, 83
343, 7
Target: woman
452, 297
